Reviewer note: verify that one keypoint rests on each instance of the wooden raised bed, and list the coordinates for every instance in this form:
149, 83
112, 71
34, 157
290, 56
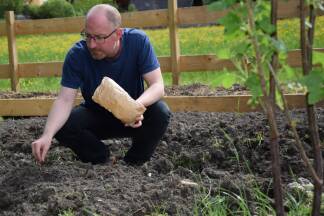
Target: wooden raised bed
230, 103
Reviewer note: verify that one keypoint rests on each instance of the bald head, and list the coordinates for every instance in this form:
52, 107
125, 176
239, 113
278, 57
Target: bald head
109, 12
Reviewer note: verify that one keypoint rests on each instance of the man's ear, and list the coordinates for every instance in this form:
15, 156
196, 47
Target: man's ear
119, 32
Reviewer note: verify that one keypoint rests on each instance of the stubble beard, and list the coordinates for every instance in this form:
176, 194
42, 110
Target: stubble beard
99, 54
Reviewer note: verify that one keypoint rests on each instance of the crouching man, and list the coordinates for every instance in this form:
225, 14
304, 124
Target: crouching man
126, 57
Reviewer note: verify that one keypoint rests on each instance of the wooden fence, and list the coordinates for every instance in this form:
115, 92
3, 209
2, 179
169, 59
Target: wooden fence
172, 18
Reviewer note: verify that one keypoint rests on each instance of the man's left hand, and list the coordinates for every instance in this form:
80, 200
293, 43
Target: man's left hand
137, 123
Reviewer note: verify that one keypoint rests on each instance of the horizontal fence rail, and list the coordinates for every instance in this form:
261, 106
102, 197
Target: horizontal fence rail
188, 63
153, 18
237, 103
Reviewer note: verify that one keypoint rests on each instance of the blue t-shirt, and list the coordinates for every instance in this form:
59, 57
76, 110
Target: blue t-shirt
136, 58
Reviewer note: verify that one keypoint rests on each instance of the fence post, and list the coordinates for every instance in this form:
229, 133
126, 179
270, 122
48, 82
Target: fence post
12, 48
174, 41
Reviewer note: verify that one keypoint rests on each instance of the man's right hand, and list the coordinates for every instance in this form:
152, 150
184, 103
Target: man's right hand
40, 148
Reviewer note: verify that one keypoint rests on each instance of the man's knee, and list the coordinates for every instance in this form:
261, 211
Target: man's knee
160, 112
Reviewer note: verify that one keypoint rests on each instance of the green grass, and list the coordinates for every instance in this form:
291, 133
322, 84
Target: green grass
193, 41
228, 203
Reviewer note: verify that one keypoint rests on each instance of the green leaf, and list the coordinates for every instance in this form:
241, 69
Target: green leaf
279, 100
266, 26
241, 48
223, 53
287, 73
318, 58
228, 80
216, 6
253, 83
315, 97
315, 85
231, 22
221, 5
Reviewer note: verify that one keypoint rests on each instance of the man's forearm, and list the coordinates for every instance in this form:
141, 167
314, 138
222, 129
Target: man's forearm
58, 115
152, 94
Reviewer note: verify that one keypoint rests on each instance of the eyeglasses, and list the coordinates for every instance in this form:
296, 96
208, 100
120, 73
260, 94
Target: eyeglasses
98, 39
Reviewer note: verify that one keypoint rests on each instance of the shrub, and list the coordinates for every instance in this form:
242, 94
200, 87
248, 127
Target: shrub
81, 7
11, 5
32, 11
56, 8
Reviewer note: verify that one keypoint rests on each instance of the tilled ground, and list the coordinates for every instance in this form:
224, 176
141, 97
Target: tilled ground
208, 150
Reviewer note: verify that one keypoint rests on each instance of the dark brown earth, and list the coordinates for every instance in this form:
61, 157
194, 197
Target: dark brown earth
213, 150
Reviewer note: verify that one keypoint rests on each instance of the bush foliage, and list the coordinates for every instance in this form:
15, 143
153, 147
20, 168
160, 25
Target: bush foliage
82, 6
11, 5
50, 9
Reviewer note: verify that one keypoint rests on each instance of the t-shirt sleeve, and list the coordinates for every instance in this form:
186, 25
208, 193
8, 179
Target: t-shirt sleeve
147, 59
71, 76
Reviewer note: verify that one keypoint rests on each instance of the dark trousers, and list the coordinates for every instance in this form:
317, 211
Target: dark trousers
85, 128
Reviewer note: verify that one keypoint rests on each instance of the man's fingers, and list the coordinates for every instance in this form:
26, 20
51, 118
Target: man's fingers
136, 124
44, 153
33, 146
36, 151
140, 118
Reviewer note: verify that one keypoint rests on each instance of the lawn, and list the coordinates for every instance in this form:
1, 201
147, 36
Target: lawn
197, 40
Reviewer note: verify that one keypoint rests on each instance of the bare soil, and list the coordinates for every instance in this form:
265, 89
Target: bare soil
208, 150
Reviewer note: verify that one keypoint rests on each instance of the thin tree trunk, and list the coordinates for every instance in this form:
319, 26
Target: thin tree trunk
274, 60
307, 59
269, 109
275, 154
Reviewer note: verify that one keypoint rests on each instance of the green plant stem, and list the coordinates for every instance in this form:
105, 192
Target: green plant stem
271, 118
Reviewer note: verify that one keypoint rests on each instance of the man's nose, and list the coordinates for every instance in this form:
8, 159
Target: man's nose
91, 43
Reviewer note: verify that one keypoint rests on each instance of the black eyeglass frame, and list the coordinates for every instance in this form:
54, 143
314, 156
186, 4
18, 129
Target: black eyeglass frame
97, 38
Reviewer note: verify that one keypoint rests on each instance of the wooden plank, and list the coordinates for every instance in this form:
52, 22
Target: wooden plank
4, 71
290, 9
54, 25
204, 63
234, 103
25, 107
142, 19
191, 63
199, 15
208, 104
151, 18
188, 63
3, 30
231, 103
294, 57
174, 40
165, 63
44, 69
12, 50
203, 15
49, 69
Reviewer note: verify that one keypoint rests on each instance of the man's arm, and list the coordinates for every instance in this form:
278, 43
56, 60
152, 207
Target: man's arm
58, 115
155, 88
153, 93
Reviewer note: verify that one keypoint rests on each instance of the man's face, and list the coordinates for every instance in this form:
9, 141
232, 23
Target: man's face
102, 39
